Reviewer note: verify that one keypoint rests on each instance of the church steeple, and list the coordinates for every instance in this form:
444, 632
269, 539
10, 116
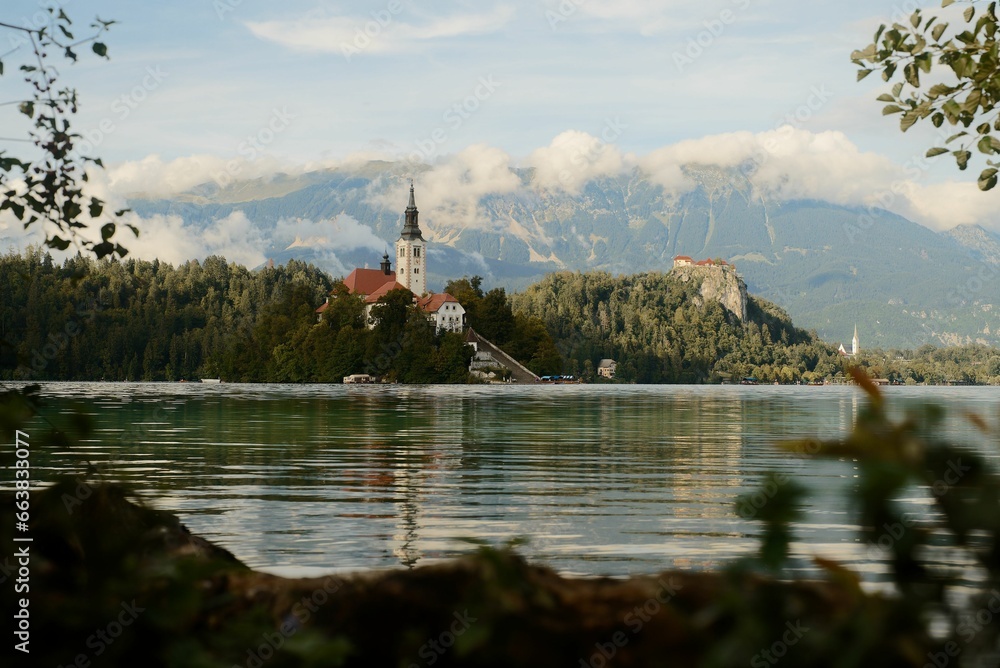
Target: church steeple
411, 229
386, 264
411, 252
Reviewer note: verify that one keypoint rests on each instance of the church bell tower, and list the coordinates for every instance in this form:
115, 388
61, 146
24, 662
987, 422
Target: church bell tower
411, 252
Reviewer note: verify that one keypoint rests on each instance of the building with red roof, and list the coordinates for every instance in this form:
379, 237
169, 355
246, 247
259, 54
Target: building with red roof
442, 309
683, 261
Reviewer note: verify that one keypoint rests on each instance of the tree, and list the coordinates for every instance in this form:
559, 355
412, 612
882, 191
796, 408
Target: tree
966, 94
48, 190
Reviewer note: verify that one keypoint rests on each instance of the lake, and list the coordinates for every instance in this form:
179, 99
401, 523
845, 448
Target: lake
600, 480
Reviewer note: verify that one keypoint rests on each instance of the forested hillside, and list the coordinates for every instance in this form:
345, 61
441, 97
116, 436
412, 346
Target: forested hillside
827, 265
661, 328
137, 320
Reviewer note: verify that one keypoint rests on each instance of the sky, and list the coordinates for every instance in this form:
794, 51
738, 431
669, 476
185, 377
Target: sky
248, 87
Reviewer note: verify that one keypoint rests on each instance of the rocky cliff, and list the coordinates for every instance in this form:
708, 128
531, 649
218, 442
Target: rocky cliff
718, 283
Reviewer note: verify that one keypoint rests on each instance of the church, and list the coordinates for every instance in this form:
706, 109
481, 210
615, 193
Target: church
855, 345
441, 308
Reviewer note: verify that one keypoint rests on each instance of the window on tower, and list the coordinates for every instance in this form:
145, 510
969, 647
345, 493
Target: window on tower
416, 270
416, 252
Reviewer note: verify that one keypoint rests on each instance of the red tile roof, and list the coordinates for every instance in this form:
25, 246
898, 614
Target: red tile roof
367, 281
433, 302
322, 307
683, 257
382, 290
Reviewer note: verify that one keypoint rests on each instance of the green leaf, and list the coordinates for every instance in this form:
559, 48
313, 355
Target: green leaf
908, 119
962, 158
969, 13
107, 231
985, 145
864, 73
936, 151
103, 249
100, 49
96, 207
27, 108
988, 179
885, 98
891, 109
938, 31
58, 243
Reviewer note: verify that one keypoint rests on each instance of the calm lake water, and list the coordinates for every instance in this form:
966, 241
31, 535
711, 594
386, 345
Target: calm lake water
601, 480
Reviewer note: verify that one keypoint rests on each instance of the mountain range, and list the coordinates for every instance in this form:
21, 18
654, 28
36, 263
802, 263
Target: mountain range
829, 266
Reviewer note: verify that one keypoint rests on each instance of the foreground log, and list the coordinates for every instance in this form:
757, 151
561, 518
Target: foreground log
116, 583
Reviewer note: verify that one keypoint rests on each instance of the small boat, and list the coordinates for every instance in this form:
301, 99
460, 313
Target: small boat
211, 381
749, 380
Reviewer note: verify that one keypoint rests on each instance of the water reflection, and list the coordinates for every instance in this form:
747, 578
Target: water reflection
602, 480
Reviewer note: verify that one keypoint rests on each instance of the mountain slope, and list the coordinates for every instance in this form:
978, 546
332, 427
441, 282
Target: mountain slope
830, 266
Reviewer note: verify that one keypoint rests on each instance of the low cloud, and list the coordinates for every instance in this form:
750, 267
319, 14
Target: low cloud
572, 160
170, 239
783, 164
343, 233
451, 190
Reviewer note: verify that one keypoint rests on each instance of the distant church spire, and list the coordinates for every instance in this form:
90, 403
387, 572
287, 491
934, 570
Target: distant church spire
411, 229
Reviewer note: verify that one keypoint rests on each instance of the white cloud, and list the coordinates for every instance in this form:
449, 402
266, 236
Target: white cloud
152, 176
342, 233
572, 160
942, 206
170, 239
450, 191
378, 32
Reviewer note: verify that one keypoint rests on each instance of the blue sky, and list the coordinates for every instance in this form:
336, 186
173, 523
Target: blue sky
227, 64
314, 81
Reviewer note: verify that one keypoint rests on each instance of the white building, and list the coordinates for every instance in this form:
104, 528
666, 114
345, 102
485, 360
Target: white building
444, 311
